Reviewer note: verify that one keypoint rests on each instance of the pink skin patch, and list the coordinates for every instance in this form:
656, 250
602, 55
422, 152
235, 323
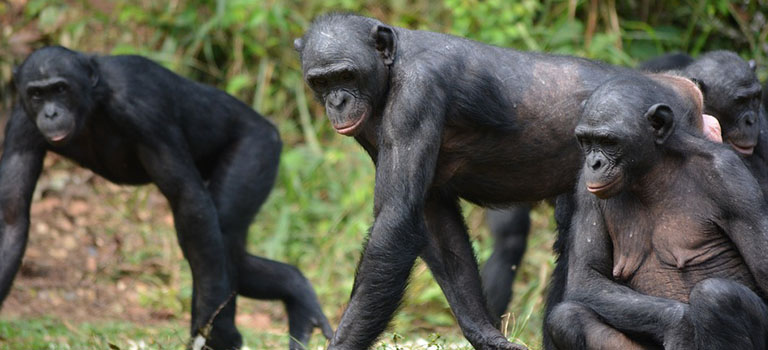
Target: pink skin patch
59, 137
711, 128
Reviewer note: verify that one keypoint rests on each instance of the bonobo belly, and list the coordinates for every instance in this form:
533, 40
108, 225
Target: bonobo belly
113, 159
498, 169
662, 279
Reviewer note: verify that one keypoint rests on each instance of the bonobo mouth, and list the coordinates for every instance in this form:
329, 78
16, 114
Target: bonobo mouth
59, 138
743, 149
602, 189
349, 129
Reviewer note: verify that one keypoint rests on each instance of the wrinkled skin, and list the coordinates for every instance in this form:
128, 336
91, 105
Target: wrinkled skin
134, 122
667, 240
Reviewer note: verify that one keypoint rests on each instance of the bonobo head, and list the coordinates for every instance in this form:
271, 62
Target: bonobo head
345, 60
626, 124
55, 86
731, 94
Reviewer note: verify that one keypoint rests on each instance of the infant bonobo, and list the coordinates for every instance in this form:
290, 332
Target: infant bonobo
669, 234
134, 122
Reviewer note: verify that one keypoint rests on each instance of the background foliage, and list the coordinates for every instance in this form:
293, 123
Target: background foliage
320, 208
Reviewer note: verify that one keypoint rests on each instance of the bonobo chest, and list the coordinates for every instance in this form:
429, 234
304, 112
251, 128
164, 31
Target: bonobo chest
102, 148
666, 249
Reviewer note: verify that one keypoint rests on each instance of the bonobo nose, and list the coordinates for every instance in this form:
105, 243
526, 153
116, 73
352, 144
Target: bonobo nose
595, 162
339, 100
749, 119
50, 112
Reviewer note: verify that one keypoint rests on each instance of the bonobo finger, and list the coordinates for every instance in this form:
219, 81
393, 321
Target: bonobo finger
711, 128
325, 326
501, 343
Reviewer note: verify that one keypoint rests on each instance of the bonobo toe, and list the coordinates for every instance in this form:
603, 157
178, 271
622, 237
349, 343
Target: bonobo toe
303, 318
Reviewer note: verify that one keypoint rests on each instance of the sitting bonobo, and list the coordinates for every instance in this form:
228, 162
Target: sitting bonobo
669, 234
134, 122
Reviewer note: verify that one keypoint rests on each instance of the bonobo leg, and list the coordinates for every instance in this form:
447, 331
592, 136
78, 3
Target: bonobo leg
239, 186
510, 231
450, 257
565, 206
727, 315
573, 326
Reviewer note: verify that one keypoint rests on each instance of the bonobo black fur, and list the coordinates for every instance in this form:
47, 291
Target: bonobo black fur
666, 247
443, 118
134, 122
509, 227
668, 62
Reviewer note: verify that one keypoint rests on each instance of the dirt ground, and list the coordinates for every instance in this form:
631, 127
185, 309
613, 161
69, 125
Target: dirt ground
98, 251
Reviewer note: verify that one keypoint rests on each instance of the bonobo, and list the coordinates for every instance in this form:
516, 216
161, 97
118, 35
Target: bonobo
668, 62
732, 95
509, 227
668, 237
134, 122
442, 118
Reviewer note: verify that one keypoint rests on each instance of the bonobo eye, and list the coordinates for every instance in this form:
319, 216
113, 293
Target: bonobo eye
35, 93
60, 88
319, 82
583, 142
608, 142
346, 76
744, 99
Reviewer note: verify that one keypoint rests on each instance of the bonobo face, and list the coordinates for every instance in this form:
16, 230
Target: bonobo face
732, 94
618, 133
604, 161
54, 86
346, 63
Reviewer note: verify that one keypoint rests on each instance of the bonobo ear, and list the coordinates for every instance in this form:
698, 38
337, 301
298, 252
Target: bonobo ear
701, 85
94, 71
662, 121
752, 65
298, 44
384, 36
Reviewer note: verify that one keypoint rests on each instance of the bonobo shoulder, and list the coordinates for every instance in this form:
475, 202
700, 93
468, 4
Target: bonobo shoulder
730, 176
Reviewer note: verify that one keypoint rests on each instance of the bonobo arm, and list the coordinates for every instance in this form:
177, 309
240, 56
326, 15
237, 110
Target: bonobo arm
747, 224
22, 160
409, 140
172, 169
589, 269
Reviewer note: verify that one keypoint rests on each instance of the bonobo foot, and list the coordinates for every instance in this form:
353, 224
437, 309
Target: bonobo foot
304, 315
499, 343
223, 338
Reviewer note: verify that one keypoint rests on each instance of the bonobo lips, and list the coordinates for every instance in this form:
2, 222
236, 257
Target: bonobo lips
59, 137
600, 189
743, 149
349, 129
